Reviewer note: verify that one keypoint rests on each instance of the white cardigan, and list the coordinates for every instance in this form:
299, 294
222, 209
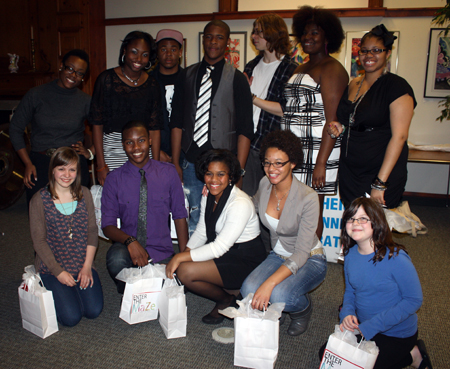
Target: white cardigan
238, 223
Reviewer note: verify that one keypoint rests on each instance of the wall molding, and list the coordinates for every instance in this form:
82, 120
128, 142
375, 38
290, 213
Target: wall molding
342, 13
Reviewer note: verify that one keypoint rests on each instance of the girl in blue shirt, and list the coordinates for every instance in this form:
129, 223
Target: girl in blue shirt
382, 288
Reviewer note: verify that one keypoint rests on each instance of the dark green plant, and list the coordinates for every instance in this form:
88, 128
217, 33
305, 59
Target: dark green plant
442, 18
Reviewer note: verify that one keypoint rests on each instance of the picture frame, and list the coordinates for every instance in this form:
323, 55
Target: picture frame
296, 52
183, 59
352, 64
437, 77
236, 53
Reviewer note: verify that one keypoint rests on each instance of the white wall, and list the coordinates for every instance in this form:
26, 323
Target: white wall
244, 5
412, 59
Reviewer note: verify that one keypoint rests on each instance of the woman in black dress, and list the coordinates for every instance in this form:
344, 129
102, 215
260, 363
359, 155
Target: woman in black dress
374, 116
121, 94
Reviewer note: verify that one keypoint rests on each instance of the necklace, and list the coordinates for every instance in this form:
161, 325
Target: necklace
69, 231
134, 81
279, 200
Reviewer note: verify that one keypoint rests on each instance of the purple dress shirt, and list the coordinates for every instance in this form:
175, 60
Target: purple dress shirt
120, 199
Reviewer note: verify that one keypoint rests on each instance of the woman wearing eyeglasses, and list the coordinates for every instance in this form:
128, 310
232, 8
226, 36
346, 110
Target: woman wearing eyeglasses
382, 288
126, 92
374, 116
56, 111
290, 210
311, 97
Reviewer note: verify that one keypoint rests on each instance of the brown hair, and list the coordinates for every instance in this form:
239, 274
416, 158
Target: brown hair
275, 32
382, 235
65, 156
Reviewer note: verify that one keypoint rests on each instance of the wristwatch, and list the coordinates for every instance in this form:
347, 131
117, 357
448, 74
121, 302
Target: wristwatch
243, 172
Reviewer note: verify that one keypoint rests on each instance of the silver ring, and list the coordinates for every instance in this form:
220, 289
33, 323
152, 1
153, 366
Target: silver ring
332, 135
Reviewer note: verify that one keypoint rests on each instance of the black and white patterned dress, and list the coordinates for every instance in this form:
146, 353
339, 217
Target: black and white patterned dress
304, 115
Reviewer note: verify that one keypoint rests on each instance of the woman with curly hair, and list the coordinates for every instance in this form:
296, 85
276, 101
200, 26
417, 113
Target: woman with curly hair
382, 288
122, 94
311, 97
376, 111
226, 245
290, 210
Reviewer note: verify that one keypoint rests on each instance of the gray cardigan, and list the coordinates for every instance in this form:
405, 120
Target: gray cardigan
298, 222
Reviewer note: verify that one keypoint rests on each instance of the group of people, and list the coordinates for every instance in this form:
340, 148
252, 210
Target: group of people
255, 153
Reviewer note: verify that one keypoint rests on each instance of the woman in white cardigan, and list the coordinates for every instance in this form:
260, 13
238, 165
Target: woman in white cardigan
290, 210
225, 247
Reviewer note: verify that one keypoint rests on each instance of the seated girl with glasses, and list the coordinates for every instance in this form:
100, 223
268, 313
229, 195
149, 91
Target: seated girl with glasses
382, 288
290, 210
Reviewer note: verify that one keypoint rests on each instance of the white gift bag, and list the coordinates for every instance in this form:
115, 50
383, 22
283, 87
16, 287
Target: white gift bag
256, 334
172, 309
96, 191
142, 289
343, 352
36, 305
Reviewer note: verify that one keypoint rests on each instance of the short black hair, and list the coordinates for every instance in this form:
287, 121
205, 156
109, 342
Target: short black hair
325, 19
381, 33
134, 124
83, 55
285, 141
139, 35
219, 23
221, 156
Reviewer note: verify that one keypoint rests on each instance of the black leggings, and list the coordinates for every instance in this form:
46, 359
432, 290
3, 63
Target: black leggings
395, 353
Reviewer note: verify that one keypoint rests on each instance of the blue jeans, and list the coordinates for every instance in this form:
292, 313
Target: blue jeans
72, 303
117, 258
194, 189
293, 290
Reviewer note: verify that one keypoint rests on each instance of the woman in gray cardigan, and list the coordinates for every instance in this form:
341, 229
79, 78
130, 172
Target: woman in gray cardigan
290, 210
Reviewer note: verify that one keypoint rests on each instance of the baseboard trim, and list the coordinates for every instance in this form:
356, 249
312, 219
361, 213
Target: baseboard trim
428, 195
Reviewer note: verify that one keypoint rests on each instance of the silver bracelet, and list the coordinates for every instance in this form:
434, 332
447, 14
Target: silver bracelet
92, 155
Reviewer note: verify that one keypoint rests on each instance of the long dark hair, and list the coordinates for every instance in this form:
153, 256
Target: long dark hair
382, 235
65, 156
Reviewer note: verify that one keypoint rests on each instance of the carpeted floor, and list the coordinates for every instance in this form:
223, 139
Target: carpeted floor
109, 342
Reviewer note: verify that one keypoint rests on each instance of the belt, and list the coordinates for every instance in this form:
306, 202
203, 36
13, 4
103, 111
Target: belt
318, 251
48, 152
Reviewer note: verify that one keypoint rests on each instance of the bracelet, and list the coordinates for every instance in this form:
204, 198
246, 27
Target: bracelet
129, 240
378, 182
343, 130
92, 155
103, 168
254, 97
379, 188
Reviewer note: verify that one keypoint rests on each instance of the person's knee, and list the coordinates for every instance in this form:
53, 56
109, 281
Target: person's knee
94, 311
185, 273
70, 317
249, 286
117, 258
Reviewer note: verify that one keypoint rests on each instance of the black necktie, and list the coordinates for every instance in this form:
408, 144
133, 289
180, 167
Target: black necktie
142, 217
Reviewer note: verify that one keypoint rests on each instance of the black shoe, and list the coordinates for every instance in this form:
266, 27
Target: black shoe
300, 320
209, 319
282, 318
426, 363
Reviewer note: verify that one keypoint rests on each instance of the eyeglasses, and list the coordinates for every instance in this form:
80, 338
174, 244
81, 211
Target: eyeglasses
374, 51
358, 220
276, 165
70, 70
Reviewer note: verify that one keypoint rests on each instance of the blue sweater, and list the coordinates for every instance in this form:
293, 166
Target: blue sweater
383, 296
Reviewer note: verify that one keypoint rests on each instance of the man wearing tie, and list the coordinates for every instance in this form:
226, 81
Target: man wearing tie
141, 193
211, 108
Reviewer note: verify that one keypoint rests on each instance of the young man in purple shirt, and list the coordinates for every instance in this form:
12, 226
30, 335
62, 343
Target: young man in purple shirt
120, 200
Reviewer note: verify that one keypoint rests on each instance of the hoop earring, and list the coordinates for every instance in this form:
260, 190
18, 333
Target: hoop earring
82, 79
149, 65
60, 69
123, 58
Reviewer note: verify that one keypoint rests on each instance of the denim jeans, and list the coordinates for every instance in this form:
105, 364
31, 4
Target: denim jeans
117, 258
293, 289
72, 303
193, 187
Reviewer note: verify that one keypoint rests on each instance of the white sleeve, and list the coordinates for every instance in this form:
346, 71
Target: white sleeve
234, 217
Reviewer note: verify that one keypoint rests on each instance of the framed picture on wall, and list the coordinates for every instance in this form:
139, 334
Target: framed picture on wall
183, 59
352, 63
236, 53
437, 79
296, 51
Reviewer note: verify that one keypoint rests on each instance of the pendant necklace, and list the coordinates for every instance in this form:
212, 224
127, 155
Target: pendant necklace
134, 81
279, 200
69, 231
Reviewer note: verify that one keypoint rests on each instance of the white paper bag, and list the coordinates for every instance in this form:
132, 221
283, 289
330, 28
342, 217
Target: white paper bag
172, 309
96, 191
140, 298
348, 354
256, 334
36, 305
